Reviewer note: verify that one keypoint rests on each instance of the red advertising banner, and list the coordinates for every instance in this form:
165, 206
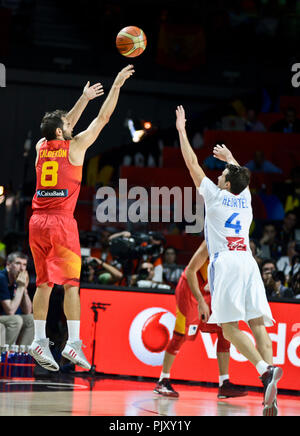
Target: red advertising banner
132, 334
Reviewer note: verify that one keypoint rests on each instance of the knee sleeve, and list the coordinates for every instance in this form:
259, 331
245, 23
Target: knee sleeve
175, 343
223, 346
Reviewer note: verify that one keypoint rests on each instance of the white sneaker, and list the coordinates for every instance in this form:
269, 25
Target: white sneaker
74, 353
40, 351
272, 410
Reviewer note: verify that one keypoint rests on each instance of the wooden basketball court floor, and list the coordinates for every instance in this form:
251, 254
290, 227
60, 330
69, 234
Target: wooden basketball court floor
98, 396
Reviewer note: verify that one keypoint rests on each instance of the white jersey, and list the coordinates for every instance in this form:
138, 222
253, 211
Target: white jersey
227, 220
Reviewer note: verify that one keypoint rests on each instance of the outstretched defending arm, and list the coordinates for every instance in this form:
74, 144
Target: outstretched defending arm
189, 156
89, 93
85, 139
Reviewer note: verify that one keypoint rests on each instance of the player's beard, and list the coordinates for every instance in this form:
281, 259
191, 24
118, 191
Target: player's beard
67, 136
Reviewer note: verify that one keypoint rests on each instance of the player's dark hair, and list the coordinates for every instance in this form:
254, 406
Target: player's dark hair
239, 178
51, 122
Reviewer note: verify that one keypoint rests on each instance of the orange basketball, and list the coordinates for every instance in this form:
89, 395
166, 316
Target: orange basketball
131, 41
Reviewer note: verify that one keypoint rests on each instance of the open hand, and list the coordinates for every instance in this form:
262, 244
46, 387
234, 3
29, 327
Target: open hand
222, 153
93, 91
180, 118
124, 75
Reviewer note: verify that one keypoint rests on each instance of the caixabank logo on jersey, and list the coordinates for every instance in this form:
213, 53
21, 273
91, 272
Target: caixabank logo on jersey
150, 333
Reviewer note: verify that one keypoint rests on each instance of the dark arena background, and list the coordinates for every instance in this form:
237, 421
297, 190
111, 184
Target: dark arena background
235, 68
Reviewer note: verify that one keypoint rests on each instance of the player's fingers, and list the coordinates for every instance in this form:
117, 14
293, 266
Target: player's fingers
129, 73
181, 111
128, 68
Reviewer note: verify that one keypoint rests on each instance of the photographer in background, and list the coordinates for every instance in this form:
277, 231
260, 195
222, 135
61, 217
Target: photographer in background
145, 272
157, 241
15, 304
132, 249
274, 280
99, 272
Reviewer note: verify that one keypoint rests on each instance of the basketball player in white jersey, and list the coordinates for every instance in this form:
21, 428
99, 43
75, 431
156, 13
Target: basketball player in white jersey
238, 293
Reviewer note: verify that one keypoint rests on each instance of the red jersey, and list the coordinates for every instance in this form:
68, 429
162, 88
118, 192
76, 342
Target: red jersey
202, 277
58, 181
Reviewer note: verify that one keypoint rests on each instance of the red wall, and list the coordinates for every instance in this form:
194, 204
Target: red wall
130, 341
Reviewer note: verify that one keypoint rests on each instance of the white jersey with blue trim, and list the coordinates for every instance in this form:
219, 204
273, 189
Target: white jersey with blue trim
228, 218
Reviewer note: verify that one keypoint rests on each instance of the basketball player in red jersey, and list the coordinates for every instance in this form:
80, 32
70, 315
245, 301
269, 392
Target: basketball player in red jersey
193, 310
53, 232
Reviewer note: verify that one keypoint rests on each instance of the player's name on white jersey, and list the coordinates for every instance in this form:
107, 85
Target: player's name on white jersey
238, 202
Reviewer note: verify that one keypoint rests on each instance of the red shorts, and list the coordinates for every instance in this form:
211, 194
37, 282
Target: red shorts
55, 247
187, 315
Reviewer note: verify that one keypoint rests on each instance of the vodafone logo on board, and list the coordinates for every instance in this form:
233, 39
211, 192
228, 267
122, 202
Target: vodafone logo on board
150, 333
152, 329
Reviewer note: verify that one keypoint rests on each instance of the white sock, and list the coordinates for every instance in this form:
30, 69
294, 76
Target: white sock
222, 378
73, 331
262, 367
39, 330
164, 375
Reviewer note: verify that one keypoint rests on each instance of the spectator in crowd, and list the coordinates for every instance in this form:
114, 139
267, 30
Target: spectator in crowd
289, 124
286, 232
295, 285
292, 199
252, 124
273, 280
268, 242
171, 270
256, 251
260, 164
295, 268
286, 263
16, 306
